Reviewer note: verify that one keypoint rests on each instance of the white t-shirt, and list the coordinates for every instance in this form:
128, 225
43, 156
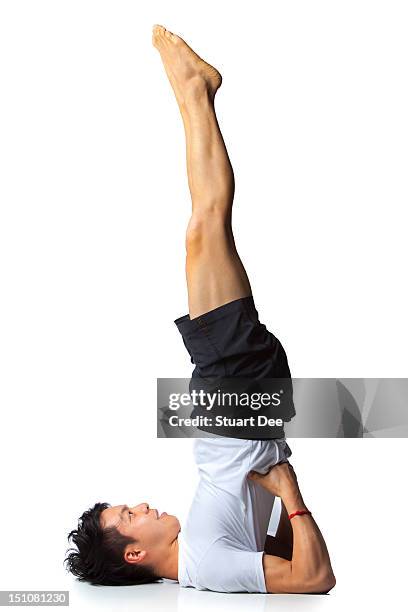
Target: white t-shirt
221, 546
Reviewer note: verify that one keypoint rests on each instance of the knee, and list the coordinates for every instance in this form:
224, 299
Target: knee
194, 233
203, 230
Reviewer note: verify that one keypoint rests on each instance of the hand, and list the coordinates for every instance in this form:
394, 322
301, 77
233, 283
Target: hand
278, 480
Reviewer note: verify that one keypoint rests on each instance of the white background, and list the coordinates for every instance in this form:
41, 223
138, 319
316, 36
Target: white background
94, 204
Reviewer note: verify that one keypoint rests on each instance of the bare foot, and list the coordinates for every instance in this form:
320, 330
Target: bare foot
188, 73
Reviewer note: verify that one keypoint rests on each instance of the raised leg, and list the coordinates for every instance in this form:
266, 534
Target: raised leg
215, 274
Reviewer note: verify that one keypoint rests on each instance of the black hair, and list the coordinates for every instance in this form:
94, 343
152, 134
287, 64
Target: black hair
98, 557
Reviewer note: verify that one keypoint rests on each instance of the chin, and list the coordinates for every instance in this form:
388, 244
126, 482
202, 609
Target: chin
175, 521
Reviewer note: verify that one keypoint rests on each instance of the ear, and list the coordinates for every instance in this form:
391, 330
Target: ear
132, 555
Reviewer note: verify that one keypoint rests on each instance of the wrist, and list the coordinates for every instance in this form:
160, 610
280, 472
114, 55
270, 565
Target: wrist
293, 500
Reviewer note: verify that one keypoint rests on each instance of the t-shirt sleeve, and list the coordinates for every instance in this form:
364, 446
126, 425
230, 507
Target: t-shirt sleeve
229, 570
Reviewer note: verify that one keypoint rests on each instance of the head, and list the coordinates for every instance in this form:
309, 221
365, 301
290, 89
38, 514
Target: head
121, 545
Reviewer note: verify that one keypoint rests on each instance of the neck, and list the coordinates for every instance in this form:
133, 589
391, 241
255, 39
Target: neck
168, 566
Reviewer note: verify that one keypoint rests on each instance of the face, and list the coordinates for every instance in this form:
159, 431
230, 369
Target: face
153, 531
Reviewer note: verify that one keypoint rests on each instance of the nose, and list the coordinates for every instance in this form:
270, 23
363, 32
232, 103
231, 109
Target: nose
141, 508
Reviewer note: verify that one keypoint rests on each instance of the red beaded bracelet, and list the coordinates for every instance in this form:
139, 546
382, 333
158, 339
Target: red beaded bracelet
299, 513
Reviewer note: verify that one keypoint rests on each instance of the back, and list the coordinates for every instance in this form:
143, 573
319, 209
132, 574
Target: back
222, 543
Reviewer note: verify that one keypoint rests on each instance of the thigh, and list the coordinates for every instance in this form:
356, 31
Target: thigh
215, 273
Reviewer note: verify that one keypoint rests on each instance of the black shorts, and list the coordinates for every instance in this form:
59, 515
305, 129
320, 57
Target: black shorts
230, 342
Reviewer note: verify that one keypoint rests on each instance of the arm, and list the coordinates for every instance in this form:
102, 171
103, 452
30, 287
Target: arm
281, 544
310, 570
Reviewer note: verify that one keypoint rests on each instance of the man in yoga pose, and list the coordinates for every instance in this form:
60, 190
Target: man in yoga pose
224, 545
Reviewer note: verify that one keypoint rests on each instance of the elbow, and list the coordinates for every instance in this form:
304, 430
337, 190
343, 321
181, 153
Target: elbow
332, 582
319, 585
322, 584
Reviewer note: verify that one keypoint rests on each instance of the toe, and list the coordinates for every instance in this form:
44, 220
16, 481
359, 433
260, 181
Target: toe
158, 30
161, 34
158, 35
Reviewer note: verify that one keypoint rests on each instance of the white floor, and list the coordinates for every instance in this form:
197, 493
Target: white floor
169, 597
